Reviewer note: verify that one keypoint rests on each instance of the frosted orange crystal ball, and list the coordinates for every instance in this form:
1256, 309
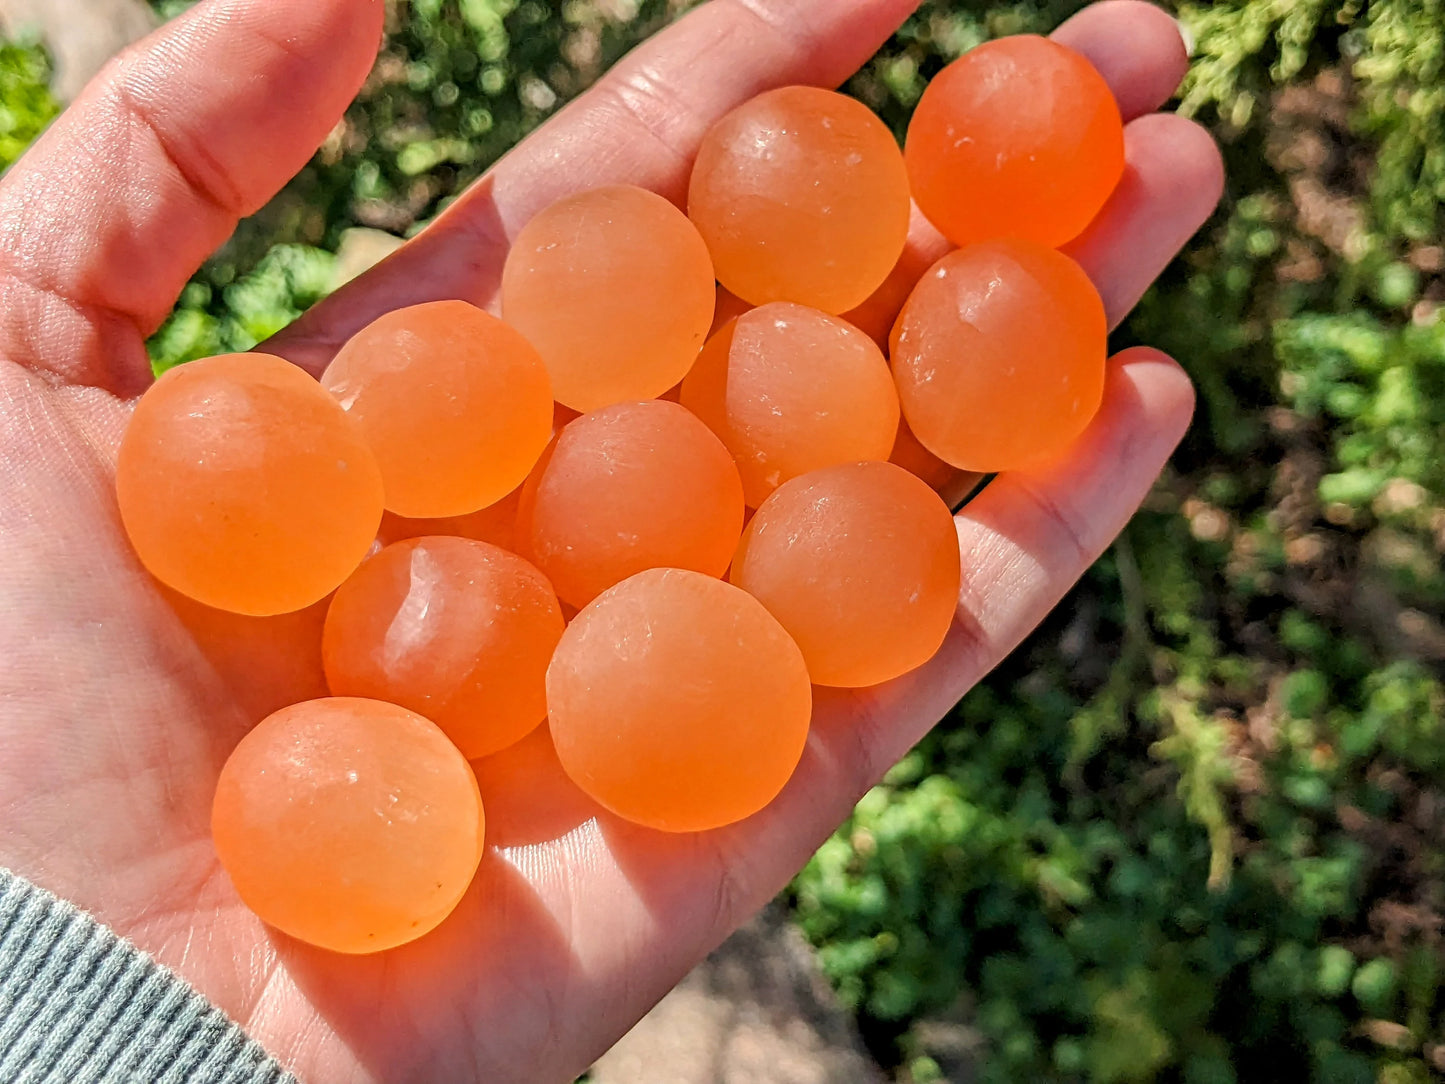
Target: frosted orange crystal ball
999, 355
455, 405
243, 485
1019, 137
860, 563
801, 195
790, 389
458, 631
678, 702
627, 488
350, 824
615, 289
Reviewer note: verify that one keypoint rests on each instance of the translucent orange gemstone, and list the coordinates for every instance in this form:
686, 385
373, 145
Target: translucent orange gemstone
458, 631
626, 488
790, 389
455, 405
678, 702
350, 824
860, 564
802, 196
497, 524
999, 355
1020, 137
243, 485
615, 289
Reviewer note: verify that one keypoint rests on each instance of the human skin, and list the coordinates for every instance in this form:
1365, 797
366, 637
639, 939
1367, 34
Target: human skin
115, 724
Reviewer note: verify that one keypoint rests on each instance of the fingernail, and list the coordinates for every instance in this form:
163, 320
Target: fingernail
1187, 36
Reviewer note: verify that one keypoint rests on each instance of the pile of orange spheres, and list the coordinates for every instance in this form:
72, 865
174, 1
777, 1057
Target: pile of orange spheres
652, 505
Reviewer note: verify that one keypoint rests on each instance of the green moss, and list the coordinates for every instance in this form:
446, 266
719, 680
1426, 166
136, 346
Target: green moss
26, 104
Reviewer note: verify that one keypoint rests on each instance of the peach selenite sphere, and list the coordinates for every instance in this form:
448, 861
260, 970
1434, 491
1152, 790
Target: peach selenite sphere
801, 195
678, 702
349, 824
790, 389
456, 630
999, 355
455, 405
626, 488
615, 289
860, 563
1019, 137
243, 485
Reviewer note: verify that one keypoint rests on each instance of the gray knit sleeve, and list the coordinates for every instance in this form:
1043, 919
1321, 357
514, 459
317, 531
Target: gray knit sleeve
78, 1005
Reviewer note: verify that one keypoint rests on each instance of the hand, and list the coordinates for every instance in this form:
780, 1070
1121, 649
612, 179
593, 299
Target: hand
114, 723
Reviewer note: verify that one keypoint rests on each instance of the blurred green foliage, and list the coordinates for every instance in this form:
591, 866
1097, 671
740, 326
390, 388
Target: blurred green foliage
26, 104
1191, 832
211, 319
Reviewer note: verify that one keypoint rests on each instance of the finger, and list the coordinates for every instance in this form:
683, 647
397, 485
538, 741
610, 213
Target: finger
103, 221
639, 125
1137, 47
642, 124
1173, 179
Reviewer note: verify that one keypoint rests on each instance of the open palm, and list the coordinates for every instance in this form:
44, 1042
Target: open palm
114, 723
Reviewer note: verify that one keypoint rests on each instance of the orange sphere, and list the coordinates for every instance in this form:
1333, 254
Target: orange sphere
999, 355
678, 702
349, 824
860, 564
244, 486
455, 405
458, 631
1020, 137
615, 289
801, 195
791, 389
495, 523
630, 487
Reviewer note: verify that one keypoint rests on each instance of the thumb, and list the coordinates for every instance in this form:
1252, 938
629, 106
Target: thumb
196, 126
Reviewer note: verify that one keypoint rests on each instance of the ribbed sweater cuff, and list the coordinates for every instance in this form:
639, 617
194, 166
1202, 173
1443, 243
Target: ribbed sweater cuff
80, 1005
